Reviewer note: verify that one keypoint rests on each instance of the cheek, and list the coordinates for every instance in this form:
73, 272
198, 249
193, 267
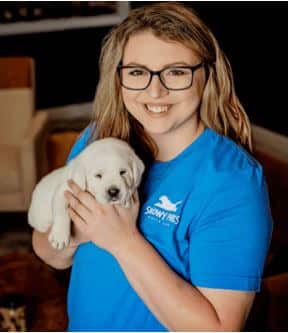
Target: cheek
130, 100
193, 95
92, 182
189, 101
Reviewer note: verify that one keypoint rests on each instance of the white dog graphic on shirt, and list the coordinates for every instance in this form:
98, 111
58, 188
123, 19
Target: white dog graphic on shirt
166, 204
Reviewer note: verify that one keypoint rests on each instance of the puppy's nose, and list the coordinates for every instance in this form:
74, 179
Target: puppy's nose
113, 192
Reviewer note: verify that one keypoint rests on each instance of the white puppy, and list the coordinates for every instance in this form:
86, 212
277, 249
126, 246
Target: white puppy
107, 168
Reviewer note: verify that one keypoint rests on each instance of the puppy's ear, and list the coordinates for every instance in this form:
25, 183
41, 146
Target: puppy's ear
76, 172
137, 170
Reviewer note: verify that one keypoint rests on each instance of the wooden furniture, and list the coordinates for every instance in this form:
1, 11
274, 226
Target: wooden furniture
58, 148
43, 288
270, 309
22, 134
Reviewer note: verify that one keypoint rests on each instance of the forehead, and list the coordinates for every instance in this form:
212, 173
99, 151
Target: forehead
146, 49
112, 162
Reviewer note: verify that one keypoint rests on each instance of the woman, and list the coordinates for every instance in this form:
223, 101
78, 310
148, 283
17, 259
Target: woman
193, 258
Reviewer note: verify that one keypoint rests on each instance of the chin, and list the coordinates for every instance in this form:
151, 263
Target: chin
157, 130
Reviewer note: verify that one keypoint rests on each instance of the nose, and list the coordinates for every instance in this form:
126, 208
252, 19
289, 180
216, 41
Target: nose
156, 88
113, 192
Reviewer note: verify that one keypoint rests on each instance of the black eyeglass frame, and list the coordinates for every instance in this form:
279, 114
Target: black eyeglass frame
158, 73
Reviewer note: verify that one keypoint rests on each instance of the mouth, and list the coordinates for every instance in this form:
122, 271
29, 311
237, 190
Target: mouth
114, 199
157, 109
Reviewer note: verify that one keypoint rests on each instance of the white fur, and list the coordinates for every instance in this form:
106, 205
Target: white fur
107, 157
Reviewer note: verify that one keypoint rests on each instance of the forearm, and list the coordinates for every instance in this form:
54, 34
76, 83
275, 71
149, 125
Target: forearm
176, 303
59, 259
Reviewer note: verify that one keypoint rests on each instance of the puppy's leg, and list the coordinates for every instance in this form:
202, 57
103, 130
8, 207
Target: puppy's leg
61, 227
40, 213
39, 219
60, 232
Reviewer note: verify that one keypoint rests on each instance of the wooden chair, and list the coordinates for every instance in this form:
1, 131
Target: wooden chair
22, 133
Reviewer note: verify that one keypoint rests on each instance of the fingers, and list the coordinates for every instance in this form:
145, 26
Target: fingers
75, 206
84, 197
74, 187
90, 203
125, 212
77, 220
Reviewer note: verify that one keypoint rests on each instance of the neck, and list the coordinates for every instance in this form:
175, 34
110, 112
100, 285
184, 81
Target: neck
172, 144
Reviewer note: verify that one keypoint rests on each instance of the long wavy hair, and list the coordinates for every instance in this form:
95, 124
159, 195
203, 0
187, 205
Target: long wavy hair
220, 108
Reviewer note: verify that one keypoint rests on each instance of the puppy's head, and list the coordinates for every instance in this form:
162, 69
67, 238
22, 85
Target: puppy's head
113, 171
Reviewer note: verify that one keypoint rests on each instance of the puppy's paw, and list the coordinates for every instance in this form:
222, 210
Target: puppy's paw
58, 239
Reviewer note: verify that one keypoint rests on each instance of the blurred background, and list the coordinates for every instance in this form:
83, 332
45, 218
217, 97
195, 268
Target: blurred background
252, 34
49, 53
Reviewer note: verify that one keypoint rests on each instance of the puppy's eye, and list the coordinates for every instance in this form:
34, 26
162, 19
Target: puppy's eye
122, 172
98, 175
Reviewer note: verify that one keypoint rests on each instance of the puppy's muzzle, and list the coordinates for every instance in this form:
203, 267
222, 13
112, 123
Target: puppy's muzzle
113, 193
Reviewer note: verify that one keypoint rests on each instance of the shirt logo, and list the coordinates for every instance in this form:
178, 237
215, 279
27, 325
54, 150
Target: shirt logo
166, 215
166, 204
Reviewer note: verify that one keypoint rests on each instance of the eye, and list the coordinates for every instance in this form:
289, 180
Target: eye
98, 175
123, 172
137, 72
176, 72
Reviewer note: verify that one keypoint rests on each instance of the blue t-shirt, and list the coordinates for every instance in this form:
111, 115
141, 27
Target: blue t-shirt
207, 214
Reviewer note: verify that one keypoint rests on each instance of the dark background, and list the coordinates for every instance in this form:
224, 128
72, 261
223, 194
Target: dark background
254, 36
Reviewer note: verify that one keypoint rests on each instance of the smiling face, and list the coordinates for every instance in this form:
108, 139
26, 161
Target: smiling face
163, 113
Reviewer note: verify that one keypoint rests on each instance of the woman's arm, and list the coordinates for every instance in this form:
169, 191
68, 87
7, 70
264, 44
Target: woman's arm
59, 259
176, 303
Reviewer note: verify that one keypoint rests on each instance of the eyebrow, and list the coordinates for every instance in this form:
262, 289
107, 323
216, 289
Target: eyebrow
166, 65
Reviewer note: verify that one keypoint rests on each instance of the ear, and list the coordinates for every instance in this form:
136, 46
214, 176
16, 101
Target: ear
137, 170
76, 172
129, 178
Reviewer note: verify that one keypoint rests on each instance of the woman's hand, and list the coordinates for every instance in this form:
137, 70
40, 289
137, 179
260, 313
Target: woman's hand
77, 236
110, 227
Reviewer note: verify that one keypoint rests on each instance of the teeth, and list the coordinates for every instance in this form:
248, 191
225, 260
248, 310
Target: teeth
157, 109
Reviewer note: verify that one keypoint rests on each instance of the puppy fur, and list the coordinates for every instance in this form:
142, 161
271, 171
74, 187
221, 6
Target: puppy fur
108, 168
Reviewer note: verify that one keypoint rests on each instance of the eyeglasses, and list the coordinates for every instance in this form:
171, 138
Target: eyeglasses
172, 78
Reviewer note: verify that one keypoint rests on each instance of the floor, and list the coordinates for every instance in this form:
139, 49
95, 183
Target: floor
22, 273
15, 233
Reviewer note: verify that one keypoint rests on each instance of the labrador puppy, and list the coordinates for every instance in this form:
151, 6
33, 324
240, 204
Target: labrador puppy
107, 168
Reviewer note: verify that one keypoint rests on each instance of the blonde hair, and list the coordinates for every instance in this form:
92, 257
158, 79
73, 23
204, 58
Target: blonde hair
220, 108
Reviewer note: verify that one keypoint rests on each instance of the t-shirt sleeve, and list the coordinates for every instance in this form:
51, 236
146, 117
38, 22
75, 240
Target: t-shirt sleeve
230, 241
80, 144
